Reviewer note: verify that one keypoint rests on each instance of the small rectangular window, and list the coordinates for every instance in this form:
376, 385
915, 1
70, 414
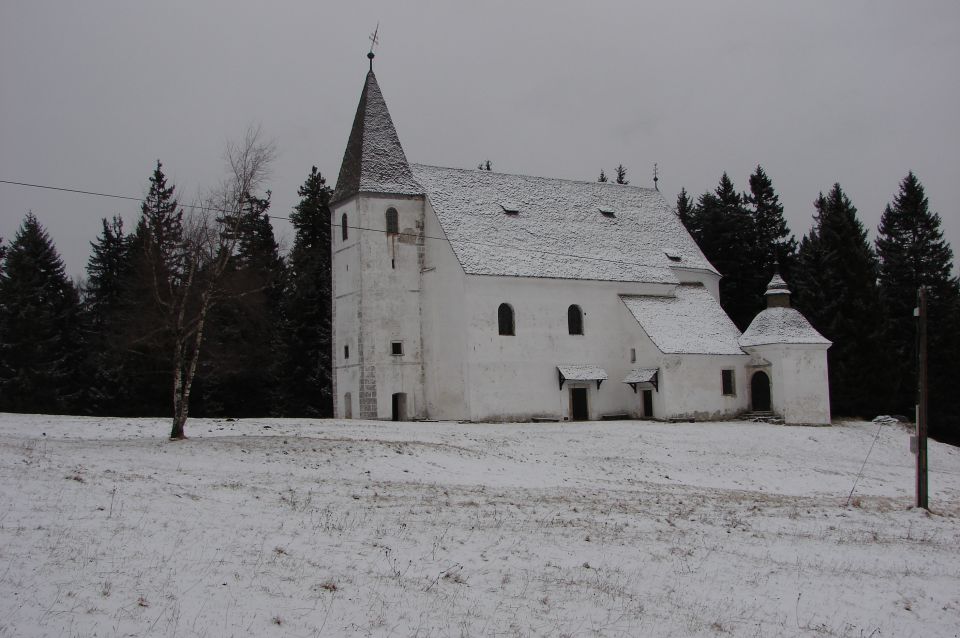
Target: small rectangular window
396, 348
728, 386
346, 352
633, 355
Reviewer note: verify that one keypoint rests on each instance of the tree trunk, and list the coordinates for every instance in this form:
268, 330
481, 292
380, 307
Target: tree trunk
185, 370
179, 413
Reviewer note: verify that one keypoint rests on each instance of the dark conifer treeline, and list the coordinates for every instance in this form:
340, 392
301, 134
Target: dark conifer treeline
858, 295
106, 350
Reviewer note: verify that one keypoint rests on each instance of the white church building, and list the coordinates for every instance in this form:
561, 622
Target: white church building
482, 296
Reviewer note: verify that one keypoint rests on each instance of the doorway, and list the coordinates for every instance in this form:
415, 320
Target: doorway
579, 408
648, 403
399, 412
760, 391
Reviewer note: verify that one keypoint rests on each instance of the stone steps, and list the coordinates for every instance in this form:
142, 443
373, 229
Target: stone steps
761, 416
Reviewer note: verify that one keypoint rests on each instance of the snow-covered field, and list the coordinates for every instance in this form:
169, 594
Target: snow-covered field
326, 528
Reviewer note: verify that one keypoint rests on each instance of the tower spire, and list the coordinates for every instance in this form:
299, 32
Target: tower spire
374, 161
656, 176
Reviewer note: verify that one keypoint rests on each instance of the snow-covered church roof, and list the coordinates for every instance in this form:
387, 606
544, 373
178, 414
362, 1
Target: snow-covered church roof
781, 325
374, 161
689, 322
517, 225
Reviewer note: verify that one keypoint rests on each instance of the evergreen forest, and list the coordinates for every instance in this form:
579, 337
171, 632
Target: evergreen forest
195, 310
859, 294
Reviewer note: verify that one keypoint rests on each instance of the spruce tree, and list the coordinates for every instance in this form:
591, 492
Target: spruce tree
913, 253
149, 293
239, 374
107, 271
774, 246
603, 176
686, 211
834, 282
622, 175
309, 305
724, 231
40, 339
774, 241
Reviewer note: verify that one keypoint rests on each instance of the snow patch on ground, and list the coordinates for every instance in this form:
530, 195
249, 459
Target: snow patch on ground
327, 528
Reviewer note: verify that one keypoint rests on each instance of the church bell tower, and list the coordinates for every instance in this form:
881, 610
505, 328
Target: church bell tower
377, 243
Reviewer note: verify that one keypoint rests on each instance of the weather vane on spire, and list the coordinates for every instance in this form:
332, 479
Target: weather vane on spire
656, 176
374, 41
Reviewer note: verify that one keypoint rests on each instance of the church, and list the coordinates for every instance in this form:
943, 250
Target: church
473, 295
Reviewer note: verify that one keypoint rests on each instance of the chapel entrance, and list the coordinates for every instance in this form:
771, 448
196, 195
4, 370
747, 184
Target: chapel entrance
579, 409
648, 403
760, 391
399, 411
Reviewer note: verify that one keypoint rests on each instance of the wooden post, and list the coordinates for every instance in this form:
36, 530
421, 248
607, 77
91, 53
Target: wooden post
922, 398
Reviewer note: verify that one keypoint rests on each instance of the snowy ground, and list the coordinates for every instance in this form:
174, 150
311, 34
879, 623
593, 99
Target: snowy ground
324, 528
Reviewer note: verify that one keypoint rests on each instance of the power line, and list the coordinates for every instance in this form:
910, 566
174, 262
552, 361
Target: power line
359, 228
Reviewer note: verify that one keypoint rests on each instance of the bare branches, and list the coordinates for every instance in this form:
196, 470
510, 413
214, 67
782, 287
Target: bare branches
249, 163
209, 242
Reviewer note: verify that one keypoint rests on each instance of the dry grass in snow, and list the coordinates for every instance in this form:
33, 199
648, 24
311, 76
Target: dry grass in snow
325, 528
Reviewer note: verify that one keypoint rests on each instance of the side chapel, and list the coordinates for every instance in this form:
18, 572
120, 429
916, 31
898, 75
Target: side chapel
481, 296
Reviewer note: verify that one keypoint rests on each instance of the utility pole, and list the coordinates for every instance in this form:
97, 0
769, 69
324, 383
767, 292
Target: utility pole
921, 313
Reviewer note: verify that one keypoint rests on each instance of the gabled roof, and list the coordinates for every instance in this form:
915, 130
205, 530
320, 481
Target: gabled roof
781, 325
374, 161
689, 322
516, 225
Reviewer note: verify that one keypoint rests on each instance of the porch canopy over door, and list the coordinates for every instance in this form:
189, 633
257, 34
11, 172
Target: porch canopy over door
581, 372
645, 378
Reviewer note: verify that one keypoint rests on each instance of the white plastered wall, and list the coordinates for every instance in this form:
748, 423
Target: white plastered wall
377, 288
691, 386
444, 327
515, 377
799, 384
345, 265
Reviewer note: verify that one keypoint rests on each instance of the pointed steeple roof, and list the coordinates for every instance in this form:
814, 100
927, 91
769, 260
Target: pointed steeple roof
374, 161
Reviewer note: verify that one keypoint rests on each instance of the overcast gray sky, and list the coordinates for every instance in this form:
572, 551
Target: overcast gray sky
93, 92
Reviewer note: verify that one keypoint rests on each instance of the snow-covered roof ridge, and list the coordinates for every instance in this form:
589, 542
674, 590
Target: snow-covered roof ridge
374, 161
689, 322
528, 226
781, 325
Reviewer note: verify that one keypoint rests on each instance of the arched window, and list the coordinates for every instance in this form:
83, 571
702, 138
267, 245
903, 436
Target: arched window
575, 320
393, 222
343, 226
505, 319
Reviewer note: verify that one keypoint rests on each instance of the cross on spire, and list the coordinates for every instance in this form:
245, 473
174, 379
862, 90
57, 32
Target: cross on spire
374, 41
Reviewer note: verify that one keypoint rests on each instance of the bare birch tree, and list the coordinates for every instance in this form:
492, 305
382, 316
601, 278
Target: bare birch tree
209, 239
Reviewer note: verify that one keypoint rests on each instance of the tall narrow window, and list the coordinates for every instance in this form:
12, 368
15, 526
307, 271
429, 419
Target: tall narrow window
575, 320
343, 226
729, 389
505, 318
393, 222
